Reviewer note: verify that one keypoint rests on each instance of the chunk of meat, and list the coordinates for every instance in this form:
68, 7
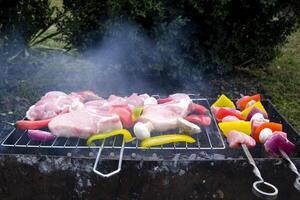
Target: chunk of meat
56, 102
117, 100
52, 104
132, 101
96, 116
86, 95
236, 138
162, 118
137, 100
83, 123
166, 116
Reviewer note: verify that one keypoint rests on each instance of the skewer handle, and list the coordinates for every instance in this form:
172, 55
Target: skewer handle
106, 175
293, 167
269, 191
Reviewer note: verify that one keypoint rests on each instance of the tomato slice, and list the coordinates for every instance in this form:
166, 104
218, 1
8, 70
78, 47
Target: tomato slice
27, 124
204, 120
199, 108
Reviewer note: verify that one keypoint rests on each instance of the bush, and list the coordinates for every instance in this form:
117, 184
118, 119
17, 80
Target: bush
21, 24
186, 34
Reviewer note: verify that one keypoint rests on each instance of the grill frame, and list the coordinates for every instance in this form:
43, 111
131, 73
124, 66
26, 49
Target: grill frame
156, 153
210, 133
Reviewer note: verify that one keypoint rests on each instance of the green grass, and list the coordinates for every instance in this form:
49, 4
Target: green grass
281, 81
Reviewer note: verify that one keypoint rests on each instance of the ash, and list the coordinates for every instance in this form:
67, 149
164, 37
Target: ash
47, 165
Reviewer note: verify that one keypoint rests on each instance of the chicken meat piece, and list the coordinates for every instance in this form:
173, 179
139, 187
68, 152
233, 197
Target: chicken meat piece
55, 102
236, 138
52, 104
132, 101
82, 123
166, 116
96, 116
86, 96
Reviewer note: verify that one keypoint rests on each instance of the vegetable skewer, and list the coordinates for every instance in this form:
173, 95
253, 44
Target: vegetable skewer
257, 184
260, 129
270, 134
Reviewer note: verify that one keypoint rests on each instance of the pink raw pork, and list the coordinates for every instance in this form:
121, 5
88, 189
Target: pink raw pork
236, 138
55, 102
84, 122
96, 116
51, 105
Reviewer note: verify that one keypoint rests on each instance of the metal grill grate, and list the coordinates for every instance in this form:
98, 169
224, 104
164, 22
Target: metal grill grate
209, 138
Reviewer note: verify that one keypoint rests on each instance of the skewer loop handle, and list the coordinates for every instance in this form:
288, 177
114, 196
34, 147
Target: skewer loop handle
269, 191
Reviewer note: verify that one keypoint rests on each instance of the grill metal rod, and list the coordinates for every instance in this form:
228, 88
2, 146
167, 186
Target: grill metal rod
260, 183
210, 139
106, 175
293, 168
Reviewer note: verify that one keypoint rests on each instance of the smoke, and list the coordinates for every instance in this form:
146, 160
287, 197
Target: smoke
126, 60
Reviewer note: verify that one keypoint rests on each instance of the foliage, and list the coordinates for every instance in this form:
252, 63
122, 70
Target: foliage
23, 24
23, 21
207, 35
280, 82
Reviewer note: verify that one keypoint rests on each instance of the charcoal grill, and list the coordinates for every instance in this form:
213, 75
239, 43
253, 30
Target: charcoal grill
209, 145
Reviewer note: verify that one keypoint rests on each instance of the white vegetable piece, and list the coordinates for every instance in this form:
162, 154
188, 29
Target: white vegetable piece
142, 130
264, 134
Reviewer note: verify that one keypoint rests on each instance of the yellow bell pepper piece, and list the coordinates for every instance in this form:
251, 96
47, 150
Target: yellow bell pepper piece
224, 101
166, 139
242, 126
100, 136
257, 105
136, 113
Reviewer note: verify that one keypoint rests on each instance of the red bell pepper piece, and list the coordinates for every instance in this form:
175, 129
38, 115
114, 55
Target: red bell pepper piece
225, 112
164, 100
27, 124
243, 102
199, 119
199, 108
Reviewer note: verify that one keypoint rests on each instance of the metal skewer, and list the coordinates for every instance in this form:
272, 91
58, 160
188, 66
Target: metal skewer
119, 162
293, 168
271, 191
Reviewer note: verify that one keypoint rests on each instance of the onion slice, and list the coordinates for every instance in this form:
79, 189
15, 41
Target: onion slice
276, 142
38, 135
